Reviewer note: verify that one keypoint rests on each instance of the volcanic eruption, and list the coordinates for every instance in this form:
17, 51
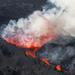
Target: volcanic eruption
41, 27
33, 34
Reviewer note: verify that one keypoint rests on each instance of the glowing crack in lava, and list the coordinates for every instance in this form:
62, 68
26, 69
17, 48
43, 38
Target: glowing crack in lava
31, 34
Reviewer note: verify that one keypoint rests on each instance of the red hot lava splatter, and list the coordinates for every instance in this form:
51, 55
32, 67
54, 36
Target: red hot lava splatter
33, 46
33, 43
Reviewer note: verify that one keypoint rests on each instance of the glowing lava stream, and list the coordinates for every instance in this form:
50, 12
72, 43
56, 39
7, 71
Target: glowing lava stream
41, 32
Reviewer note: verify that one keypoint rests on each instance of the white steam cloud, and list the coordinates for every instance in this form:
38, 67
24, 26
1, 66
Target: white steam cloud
48, 21
68, 16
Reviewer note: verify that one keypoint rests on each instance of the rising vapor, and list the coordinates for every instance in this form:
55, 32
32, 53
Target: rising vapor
42, 26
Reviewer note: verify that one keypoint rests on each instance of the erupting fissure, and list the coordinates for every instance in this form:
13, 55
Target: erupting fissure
41, 27
30, 35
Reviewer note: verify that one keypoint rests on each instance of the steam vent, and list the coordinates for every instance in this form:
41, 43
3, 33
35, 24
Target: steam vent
37, 37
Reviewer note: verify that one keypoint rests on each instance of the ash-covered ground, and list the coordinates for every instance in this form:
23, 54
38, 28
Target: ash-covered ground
13, 60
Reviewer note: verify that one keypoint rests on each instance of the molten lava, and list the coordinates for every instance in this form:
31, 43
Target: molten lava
30, 43
38, 33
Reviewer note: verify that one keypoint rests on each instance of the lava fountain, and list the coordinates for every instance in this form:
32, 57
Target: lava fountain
32, 35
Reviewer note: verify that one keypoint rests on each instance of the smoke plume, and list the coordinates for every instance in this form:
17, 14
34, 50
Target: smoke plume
48, 23
43, 26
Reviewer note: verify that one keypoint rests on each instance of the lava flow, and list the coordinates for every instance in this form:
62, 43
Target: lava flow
39, 32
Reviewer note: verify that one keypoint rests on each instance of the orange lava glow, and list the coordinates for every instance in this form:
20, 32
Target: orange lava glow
46, 61
34, 46
31, 43
28, 43
58, 68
